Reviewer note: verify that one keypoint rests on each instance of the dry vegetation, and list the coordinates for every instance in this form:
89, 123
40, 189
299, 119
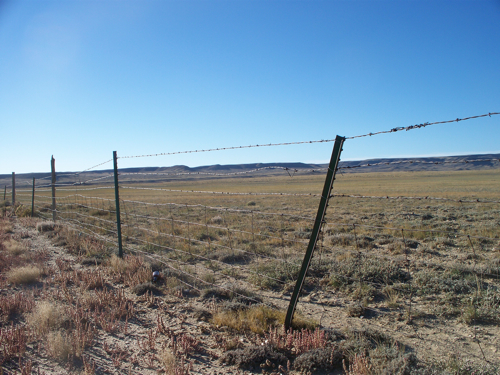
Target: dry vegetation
396, 286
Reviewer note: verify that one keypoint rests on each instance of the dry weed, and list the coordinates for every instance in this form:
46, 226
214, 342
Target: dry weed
15, 304
13, 341
257, 319
46, 317
14, 248
59, 346
173, 365
45, 226
359, 365
24, 275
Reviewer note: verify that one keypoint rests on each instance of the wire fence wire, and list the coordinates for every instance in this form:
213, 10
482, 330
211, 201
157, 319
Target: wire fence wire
399, 257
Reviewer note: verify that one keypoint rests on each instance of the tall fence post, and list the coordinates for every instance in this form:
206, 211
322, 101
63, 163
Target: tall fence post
53, 172
5, 192
117, 199
323, 204
33, 199
13, 189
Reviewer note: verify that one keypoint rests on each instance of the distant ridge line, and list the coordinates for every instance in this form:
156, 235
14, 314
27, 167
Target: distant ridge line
382, 165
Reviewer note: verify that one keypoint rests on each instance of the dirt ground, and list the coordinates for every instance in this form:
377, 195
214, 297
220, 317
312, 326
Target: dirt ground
177, 322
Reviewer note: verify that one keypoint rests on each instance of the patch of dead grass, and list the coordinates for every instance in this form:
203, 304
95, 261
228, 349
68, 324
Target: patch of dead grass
47, 317
14, 248
24, 275
257, 319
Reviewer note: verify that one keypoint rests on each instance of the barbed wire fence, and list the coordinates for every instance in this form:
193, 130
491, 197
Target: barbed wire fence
375, 255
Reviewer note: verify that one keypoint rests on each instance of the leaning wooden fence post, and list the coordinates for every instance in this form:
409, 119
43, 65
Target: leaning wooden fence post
33, 199
13, 189
323, 204
117, 199
53, 173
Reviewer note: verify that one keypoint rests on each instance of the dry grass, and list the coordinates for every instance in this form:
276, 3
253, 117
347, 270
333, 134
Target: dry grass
358, 270
5, 227
257, 319
45, 226
59, 346
47, 317
24, 275
13, 247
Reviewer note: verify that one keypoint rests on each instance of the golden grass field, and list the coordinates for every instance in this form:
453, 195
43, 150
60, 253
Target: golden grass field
424, 272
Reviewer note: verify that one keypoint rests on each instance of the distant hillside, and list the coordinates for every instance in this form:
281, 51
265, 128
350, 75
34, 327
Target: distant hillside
445, 163
442, 163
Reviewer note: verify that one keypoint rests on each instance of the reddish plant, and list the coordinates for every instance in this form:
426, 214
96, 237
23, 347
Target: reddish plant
297, 341
13, 341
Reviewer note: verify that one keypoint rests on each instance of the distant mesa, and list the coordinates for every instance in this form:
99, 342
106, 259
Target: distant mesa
444, 163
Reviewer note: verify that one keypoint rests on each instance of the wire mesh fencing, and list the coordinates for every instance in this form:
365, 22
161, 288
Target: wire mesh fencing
417, 255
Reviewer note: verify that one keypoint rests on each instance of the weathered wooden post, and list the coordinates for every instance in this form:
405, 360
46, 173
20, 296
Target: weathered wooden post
53, 172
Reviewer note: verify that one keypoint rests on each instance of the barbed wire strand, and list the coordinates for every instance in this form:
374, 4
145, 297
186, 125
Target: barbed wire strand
411, 127
418, 126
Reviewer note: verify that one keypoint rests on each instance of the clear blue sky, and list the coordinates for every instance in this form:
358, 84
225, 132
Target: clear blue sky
80, 79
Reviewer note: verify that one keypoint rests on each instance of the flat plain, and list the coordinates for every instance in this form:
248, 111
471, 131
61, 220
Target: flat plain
404, 279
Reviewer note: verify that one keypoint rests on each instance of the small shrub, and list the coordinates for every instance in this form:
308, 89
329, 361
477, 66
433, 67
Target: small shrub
230, 291
273, 274
45, 226
350, 270
321, 358
296, 341
228, 256
23, 211
355, 310
15, 304
24, 275
454, 281
173, 365
391, 297
59, 346
13, 247
359, 365
5, 227
141, 289
217, 220
91, 261
257, 319
47, 316
253, 356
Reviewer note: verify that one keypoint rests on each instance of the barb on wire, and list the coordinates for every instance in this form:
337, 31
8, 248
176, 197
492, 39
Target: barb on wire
418, 126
